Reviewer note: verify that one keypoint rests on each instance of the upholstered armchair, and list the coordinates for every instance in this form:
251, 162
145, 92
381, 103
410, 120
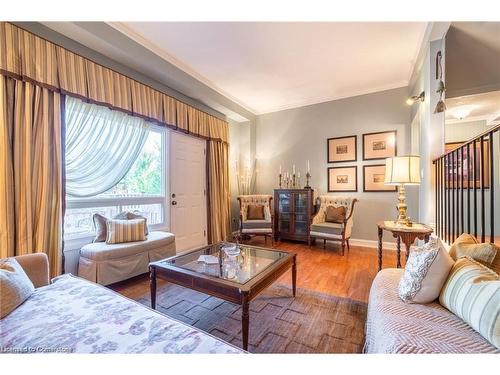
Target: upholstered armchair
260, 224
340, 230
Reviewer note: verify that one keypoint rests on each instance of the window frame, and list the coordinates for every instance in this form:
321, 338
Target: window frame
77, 240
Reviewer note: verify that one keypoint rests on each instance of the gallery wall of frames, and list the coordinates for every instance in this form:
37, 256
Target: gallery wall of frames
376, 147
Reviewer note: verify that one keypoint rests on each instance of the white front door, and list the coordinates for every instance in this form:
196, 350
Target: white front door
188, 203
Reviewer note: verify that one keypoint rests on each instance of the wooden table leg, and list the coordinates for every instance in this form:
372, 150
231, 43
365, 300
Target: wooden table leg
245, 320
398, 251
294, 275
380, 233
152, 286
407, 246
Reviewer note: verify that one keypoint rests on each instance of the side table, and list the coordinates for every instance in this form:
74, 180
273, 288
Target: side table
401, 233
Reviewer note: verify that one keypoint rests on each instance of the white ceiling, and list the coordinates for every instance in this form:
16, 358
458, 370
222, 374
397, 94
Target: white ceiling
485, 106
267, 67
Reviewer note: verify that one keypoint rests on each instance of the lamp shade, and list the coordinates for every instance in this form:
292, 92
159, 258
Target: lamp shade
402, 170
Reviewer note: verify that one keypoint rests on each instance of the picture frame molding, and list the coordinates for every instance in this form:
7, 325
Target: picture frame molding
342, 191
342, 161
381, 132
364, 180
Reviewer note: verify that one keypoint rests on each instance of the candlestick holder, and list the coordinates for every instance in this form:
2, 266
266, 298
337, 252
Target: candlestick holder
308, 177
294, 180
280, 179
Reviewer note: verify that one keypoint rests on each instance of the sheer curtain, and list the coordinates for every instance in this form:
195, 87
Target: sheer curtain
101, 146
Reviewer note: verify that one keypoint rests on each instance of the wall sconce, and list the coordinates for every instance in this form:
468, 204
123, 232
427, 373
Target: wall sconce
416, 98
440, 106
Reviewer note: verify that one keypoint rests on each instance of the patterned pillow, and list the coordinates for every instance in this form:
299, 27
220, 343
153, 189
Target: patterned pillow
472, 292
15, 286
467, 245
119, 231
425, 273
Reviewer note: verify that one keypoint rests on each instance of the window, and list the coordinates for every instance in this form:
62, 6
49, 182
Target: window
141, 190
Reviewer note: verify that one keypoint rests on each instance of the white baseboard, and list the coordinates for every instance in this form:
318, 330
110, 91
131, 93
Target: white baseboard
365, 243
372, 244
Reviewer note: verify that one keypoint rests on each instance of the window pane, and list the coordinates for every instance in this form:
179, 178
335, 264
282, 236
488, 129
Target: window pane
145, 177
78, 221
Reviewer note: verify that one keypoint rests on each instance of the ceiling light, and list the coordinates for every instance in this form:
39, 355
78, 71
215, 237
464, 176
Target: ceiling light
416, 98
462, 112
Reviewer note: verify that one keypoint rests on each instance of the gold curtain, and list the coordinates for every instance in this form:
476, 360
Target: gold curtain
26, 56
30, 171
218, 191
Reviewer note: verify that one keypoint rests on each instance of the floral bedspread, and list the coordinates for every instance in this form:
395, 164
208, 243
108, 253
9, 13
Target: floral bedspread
75, 316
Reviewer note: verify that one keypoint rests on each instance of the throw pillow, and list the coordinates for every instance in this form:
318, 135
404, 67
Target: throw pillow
99, 227
425, 273
100, 224
467, 245
335, 214
127, 215
255, 212
120, 231
472, 292
15, 286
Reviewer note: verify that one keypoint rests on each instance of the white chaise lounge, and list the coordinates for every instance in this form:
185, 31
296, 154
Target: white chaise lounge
106, 264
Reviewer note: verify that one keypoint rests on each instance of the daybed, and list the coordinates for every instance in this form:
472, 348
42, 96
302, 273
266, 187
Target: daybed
109, 263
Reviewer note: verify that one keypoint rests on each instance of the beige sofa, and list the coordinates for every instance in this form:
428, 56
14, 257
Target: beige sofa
394, 326
73, 315
106, 264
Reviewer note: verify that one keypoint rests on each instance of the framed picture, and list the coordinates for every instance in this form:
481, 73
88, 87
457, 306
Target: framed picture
342, 179
379, 145
342, 149
465, 167
373, 179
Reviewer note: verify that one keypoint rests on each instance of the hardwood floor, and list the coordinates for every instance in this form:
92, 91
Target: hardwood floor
318, 269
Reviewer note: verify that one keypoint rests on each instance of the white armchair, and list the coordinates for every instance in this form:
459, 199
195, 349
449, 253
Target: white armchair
340, 231
262, 227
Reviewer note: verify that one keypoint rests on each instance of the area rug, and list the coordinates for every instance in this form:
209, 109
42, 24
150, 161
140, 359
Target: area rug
311, 322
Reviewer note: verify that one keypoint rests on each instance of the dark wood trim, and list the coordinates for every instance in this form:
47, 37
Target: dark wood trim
382, 132
375, 191
483, 224
347, 166
492, 190
342, 161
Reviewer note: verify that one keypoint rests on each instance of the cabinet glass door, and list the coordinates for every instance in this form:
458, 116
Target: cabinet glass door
285, 209
301, 213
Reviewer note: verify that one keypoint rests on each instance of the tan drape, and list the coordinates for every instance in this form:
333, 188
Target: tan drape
218, 191
30, 171
26, 56
29, 58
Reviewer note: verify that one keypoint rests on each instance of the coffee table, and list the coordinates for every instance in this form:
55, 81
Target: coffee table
238, 281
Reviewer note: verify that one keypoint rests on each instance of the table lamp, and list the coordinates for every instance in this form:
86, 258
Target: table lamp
401, 171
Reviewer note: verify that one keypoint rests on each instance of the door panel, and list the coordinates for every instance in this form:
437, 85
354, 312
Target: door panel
188, 207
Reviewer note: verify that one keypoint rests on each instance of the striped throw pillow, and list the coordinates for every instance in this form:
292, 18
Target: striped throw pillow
119, 231
472, 292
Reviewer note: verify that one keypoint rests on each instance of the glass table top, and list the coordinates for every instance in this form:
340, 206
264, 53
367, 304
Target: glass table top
250, 262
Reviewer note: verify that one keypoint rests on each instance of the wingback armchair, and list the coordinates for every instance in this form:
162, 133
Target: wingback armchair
333, 231
256, 227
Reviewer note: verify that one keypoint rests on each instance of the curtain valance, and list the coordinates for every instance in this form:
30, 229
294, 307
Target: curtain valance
26, 56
